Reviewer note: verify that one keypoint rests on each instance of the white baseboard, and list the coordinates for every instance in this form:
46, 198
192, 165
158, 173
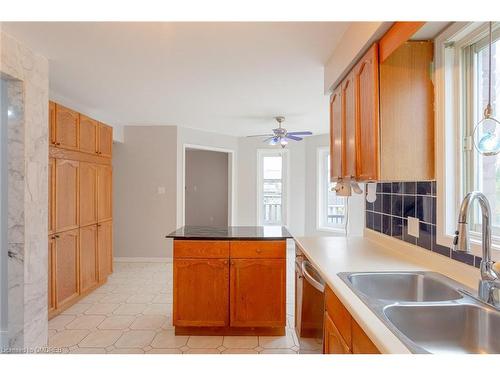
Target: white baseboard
142, 260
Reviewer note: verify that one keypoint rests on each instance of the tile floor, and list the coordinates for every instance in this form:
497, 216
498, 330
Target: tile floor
132, 313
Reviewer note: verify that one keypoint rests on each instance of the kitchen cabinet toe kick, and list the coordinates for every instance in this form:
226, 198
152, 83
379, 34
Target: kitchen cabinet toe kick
230, 331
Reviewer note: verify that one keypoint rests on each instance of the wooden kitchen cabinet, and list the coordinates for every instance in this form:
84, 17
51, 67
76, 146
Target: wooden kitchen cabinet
333, 343
201, 292
336, 132
66, 128
88, 193
66, 267
366, 77
88, 134
88, 258
105, 249
257, 292
349, 127
105, 140
52, 123
51, 295
361, 343
66, 194
104, 192
51, 195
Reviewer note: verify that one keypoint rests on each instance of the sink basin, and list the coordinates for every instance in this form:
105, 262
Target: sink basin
402, 286
448, 328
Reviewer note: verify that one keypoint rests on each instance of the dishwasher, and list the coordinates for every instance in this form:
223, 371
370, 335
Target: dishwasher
309, 305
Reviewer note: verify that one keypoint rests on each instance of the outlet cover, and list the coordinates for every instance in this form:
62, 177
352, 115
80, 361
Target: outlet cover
413, 226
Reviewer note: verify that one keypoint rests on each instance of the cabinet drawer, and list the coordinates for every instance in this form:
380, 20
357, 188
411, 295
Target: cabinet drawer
258, 249
339, 315
201, 249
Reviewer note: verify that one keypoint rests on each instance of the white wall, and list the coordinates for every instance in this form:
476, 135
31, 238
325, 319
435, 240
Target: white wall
142, 217
247, 183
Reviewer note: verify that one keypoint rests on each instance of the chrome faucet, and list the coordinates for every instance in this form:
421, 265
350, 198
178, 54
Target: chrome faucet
489, 285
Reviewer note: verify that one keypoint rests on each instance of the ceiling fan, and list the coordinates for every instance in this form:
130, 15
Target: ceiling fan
280, 135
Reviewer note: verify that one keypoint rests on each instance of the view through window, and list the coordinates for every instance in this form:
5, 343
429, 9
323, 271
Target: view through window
272, 190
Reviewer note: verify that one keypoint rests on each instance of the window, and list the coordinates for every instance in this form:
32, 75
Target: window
331, 209
271, 187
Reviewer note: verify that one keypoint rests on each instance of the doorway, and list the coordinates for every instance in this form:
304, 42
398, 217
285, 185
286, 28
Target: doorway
207, 186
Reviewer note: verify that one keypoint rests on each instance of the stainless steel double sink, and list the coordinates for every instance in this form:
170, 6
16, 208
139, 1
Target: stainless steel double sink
428, 312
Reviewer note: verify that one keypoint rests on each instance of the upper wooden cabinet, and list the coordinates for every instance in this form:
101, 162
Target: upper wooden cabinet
336, 132
88, 134
52, 123
104, 192
66, 195
366, 77
387, 130
66, 128
105, 140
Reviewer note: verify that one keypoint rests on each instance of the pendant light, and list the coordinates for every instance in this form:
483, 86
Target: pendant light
486, 135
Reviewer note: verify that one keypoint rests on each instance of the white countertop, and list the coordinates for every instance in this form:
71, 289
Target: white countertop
376, 252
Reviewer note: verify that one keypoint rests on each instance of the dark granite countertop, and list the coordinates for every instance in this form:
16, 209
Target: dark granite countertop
230, 233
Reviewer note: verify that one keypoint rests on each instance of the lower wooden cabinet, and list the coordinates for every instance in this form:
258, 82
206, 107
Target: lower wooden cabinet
201, 292
342, 334
105, 249
258, 294
88, 258
66, 267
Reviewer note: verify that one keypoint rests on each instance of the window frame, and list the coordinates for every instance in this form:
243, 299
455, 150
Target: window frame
450, 114
322, 174
261, 153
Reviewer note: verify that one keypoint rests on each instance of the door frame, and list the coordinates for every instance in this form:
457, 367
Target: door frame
231, 188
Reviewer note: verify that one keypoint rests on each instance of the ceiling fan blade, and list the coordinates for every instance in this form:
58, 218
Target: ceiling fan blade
300, 133
293, 138
260, 135
272, 141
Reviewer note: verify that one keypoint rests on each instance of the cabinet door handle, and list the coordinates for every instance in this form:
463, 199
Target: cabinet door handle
258, 251
58, 143
56, 236
53, 237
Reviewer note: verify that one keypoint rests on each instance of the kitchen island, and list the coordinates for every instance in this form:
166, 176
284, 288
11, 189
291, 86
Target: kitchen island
229, 280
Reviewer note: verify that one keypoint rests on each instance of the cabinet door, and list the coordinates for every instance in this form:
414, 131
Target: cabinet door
88, 193
349, 127
51, 275
104, 193
51, 190
105, 140
336, 135
52, 123
88, 135
201, 292
66, 128
88, 257
66, 194
333, 342
257, 293
105, 249
367, 116
361, 343
66, 267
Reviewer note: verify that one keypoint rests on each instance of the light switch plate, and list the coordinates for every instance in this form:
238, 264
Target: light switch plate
413, 226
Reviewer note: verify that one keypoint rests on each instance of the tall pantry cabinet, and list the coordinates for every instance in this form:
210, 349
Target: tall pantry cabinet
80, 206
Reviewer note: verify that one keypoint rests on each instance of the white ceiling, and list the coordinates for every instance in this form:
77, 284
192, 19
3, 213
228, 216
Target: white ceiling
230, 78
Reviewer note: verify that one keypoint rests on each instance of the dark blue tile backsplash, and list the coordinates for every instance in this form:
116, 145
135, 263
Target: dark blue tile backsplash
396, 201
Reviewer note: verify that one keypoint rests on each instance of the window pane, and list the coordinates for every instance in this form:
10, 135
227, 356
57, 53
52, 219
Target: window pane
334, 213
272, 167
272, 190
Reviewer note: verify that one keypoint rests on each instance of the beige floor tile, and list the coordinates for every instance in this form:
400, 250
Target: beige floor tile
88, 351
164, 351
117, 322
130, 309
60, 321
204, 342
310, 344
86, 322
168, 340
67, 338
135, 339
157, 309
114, 298
126, 351
202, 351
100, 339
278, 351
240, 342
141, 298
240, 351
77, 308
102, 308
276, 342
148, 322
92, 298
